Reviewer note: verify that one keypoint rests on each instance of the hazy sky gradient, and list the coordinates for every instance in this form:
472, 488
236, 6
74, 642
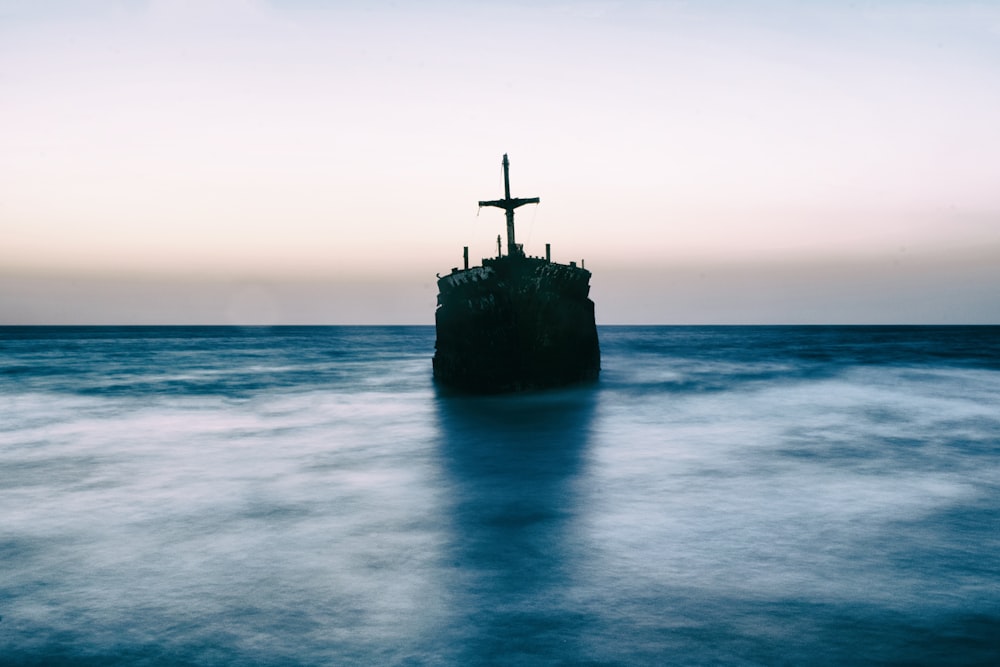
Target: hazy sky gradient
252, 161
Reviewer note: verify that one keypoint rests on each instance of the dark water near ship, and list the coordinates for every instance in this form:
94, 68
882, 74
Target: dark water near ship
303, 496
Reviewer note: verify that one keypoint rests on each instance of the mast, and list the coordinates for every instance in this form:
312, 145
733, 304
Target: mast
508, 204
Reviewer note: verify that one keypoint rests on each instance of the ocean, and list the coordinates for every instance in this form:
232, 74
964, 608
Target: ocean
305, 496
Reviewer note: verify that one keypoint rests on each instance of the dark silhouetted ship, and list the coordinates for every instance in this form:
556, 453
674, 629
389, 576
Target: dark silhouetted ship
516, 322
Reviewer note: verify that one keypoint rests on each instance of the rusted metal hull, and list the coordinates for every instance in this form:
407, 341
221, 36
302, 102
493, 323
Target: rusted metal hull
515, 323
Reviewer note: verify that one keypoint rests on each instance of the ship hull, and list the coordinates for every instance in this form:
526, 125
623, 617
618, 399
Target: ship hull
513, 324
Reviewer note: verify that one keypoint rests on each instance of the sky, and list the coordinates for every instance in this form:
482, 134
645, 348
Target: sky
307, 162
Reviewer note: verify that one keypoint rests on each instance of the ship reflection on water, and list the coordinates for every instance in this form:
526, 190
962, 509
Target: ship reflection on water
513, 468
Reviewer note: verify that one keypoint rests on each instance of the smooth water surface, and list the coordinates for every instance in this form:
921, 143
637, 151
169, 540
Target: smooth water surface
304, 496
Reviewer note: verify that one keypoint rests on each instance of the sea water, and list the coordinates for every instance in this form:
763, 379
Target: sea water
306, 496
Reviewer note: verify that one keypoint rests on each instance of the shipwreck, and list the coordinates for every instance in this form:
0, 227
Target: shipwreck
515, 322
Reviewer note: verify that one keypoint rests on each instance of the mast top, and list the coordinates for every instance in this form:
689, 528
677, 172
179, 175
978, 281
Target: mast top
508, 204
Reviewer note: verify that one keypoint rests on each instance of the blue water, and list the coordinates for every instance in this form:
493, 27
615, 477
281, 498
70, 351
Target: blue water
304, 496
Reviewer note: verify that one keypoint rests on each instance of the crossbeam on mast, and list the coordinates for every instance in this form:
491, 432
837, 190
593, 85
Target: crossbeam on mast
508, 204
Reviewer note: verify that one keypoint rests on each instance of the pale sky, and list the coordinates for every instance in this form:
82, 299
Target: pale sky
298, 161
